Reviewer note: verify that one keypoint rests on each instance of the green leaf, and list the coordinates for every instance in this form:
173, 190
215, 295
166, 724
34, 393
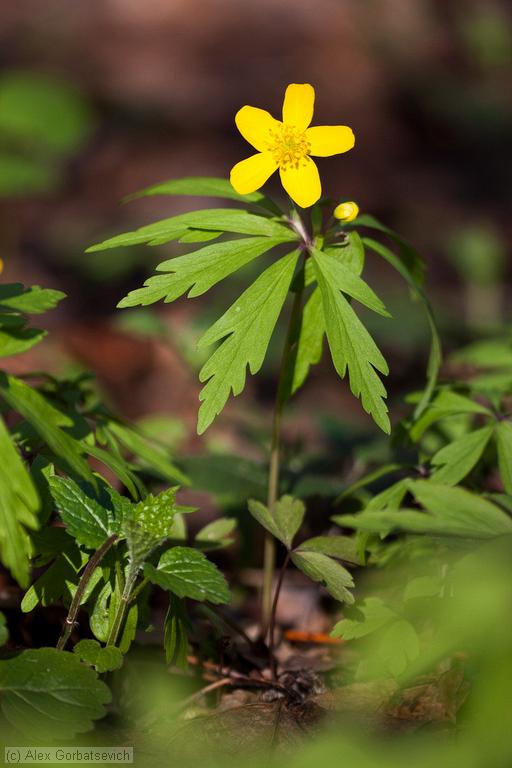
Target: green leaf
339, 547
187, 573
248, 325
198, 271
503, 436
283, 521
102, 659
31, 301
45, 692
217, 533
319, 567
121, 469
175, 634
87, 521
360, 620
408, 267
198, 186
15, 337
149, 524
398, 647
352, 347
47, 421
446, 403
311, 337
458, 458
217, 219
345, 279
153, 456
19, 505
58, 582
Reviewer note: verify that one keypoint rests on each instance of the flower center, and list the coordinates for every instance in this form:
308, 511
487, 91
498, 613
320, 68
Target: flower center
289, 146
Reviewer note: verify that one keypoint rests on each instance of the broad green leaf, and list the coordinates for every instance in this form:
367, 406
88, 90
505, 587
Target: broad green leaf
352, 347
153, 456
340, 276
48, 423
199, 236
319, 567
408, 268
175, 634
217, 533
187, 573
350, 253
197, 272
458, 458
204, 186
19, 505
87, 521
99, 619
223, 219
339, 547
149, 524
102, 659
503, 436
248, 325
46, 692
31, 301
360, 620
283, 520
311, 336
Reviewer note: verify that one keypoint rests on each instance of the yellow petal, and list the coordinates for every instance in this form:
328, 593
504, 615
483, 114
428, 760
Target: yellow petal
256, 126
250, 174
302, 183
299, 101
328, 140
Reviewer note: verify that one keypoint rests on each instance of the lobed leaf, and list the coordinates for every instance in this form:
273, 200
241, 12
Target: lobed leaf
283, 520
319, 567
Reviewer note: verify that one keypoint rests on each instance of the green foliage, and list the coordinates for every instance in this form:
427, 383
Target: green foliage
283, 521
175, 634
319, 567
187, 573
38, 687
87, 521
102, 659
16, 303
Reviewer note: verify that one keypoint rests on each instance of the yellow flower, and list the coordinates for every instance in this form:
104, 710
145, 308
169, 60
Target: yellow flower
347, 211
288, 145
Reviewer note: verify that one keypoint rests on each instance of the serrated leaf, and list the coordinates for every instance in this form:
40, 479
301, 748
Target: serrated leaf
200, 270
457, 459
45, 692
48, 423
187, 573
175, 634
149, 524
283, 521
503, 435
319, 567
407, 265
31, 301
102, 659
19, 505
248, 325
87, 521
360, 620
352, 347
339, 547
216, 219
311, 337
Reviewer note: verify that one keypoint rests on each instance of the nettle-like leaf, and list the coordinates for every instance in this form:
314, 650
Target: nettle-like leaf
45, 692
48, 422
448, 512
248, 325
319, 567
102, 659
283, 521
186, 572
19, 504
351, 345
215, 219
199, 271
87, 521
456, 460
149, 523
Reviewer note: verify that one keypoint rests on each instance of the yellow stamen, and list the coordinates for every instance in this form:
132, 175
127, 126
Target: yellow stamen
289, 146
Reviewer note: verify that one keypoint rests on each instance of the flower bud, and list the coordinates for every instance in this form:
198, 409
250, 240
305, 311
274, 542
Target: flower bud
346, 211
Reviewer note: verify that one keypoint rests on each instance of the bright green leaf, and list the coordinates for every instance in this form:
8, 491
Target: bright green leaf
319, 567
458, 458
187, 573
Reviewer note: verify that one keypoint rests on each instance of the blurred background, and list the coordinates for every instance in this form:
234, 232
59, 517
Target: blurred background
101, 98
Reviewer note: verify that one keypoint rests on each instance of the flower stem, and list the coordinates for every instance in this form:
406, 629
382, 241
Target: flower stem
272, 625
89, 569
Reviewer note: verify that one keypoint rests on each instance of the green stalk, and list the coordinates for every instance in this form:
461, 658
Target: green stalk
122, 608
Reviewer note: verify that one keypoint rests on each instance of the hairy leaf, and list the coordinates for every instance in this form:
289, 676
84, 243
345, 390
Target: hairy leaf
187, 573
87, 521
